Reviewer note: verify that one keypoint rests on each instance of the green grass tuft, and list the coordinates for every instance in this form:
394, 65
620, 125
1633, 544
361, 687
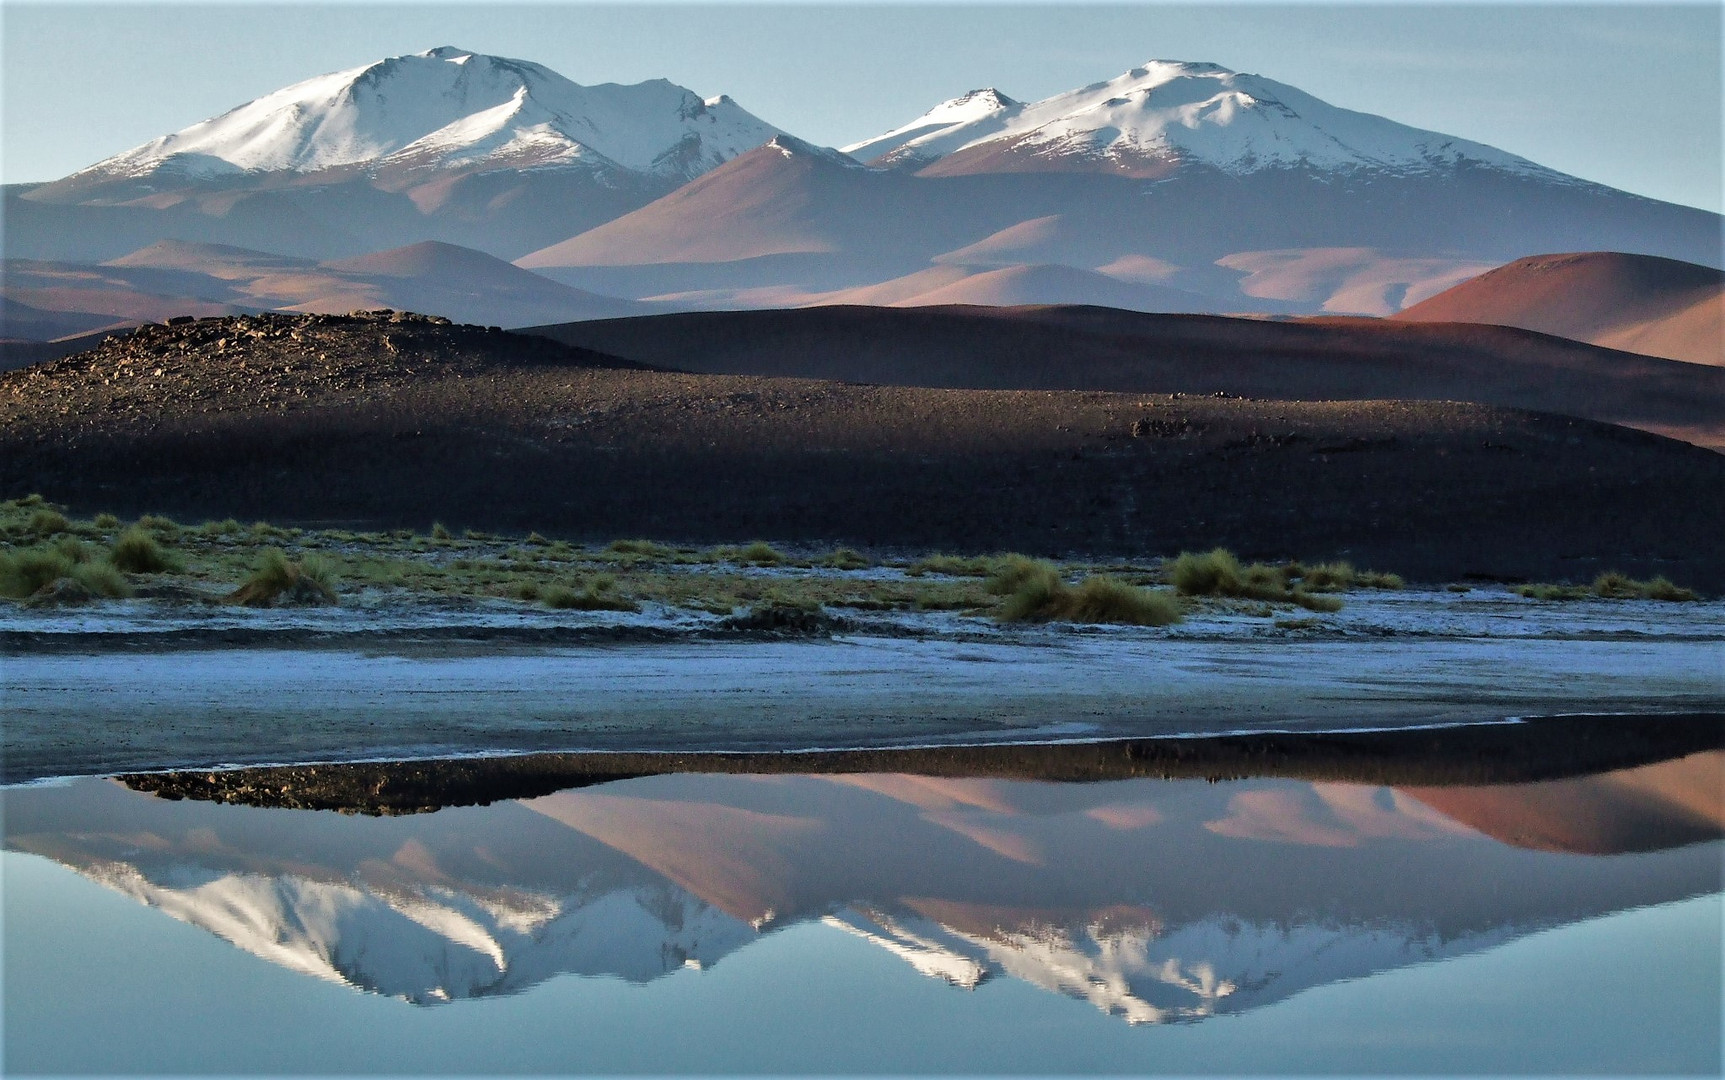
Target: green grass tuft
106, 521
646, 549
47, 522
1035, 592
440, 532
596, 595
136, 551
760, 553
165, 528
957, 565
1661, 588
280, 581
1010, 572
1611, 585
1219, 573
845, 558
26, 571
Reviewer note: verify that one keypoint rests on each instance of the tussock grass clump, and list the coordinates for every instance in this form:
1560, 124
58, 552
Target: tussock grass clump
136, 551
165, 528
760, 553
596, 595
24, 571
1010, 572
1341, 576
440, 532
27, 571
845, 558
956, 565
212, 529
1611, 585
1035, 592
48, 522
1614, 585
1219, 573
277, 580
1661, 588
646, 549
106, 521
1553, 592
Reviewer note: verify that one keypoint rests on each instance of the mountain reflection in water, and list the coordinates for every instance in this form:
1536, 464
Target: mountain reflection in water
1154, 900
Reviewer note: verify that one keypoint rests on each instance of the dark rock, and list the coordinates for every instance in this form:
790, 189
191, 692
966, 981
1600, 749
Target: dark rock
61, 592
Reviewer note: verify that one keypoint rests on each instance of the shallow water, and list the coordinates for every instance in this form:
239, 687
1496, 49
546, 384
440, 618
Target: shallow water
877, 923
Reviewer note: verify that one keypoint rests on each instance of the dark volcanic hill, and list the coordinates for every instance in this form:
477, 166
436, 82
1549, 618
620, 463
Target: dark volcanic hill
1085, 348
399, 420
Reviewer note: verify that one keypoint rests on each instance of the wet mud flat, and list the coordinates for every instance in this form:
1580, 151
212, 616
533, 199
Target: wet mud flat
103, 712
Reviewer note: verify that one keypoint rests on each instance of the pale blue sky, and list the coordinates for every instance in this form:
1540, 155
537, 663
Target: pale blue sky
1629, 95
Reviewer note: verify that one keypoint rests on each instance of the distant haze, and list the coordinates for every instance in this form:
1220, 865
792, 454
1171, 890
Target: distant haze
1628, 96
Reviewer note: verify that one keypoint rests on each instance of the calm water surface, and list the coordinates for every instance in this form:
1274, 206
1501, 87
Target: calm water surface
877, 923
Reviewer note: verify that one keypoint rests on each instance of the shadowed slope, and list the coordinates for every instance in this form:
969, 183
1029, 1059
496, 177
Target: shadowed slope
1082, 348
403, 422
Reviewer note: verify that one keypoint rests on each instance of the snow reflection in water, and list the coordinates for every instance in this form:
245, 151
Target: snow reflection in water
1156, 901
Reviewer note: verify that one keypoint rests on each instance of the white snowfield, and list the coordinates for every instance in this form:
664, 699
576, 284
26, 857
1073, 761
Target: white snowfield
449, 108
1169, 111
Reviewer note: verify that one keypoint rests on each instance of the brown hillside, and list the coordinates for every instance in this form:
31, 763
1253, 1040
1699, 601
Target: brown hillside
1082, 348
398, 420
1641, 303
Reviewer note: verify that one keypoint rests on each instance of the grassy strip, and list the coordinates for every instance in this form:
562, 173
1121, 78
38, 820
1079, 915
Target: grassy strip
1219, 573
1611, 585
228, 560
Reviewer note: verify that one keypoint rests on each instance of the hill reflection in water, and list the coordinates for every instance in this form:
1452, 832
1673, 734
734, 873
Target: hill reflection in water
1154, 900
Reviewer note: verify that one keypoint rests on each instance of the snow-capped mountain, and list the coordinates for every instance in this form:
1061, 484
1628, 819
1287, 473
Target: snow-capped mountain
448, 108
1148, 974
1166, 114
427, 944
1155, 901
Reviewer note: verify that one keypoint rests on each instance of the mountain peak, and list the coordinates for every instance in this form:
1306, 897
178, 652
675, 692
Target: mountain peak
792, 147
987, 97
449, 107
1164, 114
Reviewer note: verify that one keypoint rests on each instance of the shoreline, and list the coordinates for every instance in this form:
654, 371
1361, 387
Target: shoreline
106, 712
1528, 750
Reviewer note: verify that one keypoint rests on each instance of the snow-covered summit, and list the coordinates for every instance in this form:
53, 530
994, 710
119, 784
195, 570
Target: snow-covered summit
792, 147
1167, 113
451, 108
